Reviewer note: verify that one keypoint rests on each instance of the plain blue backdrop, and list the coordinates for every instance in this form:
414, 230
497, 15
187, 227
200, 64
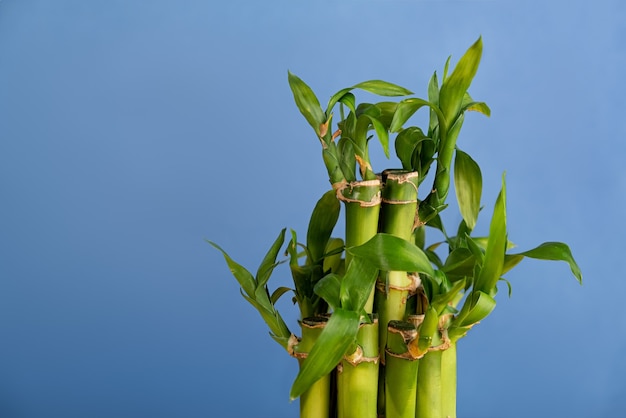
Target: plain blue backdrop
130, 131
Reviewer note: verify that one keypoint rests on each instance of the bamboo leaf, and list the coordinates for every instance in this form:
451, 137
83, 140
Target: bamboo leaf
269, 261
441, 301
496, 246
459, 263
406, 109
455, 86
321, 225
278, 293
307, 103
243, 276
433, 97
349, 100
383, 88
480, 107
468, 185
555, 251
427, 329
343, 96
357, 284
332, 258
329, 289
381, 133
407, 143
379, 87
332, 159
348, 160
476, 249
278, 329
338, 336
480, 306
387, 110
510, 261
389, 253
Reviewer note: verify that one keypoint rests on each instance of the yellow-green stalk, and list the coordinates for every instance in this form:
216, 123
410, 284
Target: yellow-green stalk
397, 215
315, 402
357, 376
401, 369
362, 203
448, 382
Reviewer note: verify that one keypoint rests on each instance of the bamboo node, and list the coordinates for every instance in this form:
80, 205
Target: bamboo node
398, 202
343, 185
411, 287
445, 344
407, 355
358, 357
291, 345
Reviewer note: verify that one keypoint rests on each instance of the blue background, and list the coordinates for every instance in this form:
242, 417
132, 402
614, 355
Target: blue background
131, 131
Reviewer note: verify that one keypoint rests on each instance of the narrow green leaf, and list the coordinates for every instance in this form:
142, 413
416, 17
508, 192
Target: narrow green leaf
468, 185
555, 251
459, 263
307, 103
357, 284
347, 161
407, 141
338, 336
278, 329
496, 246
278, 293
386, 112
476, 249
269, 261
262, 297
332, 258
428, 328
510, 261
383, 88
480, 107
243, 276
321, 225
332, 159
406, 108
440, 302
480, 305
433, 97
349, 100
454, 87
387, 252
343, 94
446, 67
329, 288
381, 133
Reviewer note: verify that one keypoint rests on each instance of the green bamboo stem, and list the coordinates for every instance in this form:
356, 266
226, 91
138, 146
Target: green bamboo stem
429, 344
357, 376
401, 370
315, 402
448, 382
362, 203
428, 404
397, 216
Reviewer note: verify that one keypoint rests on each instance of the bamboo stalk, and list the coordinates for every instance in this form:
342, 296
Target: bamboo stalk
315, 402
448, 382
357, 376
401, 370
399, 204
428, 404
362, 203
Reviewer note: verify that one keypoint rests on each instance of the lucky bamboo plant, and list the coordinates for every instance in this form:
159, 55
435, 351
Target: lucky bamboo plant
382, 310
